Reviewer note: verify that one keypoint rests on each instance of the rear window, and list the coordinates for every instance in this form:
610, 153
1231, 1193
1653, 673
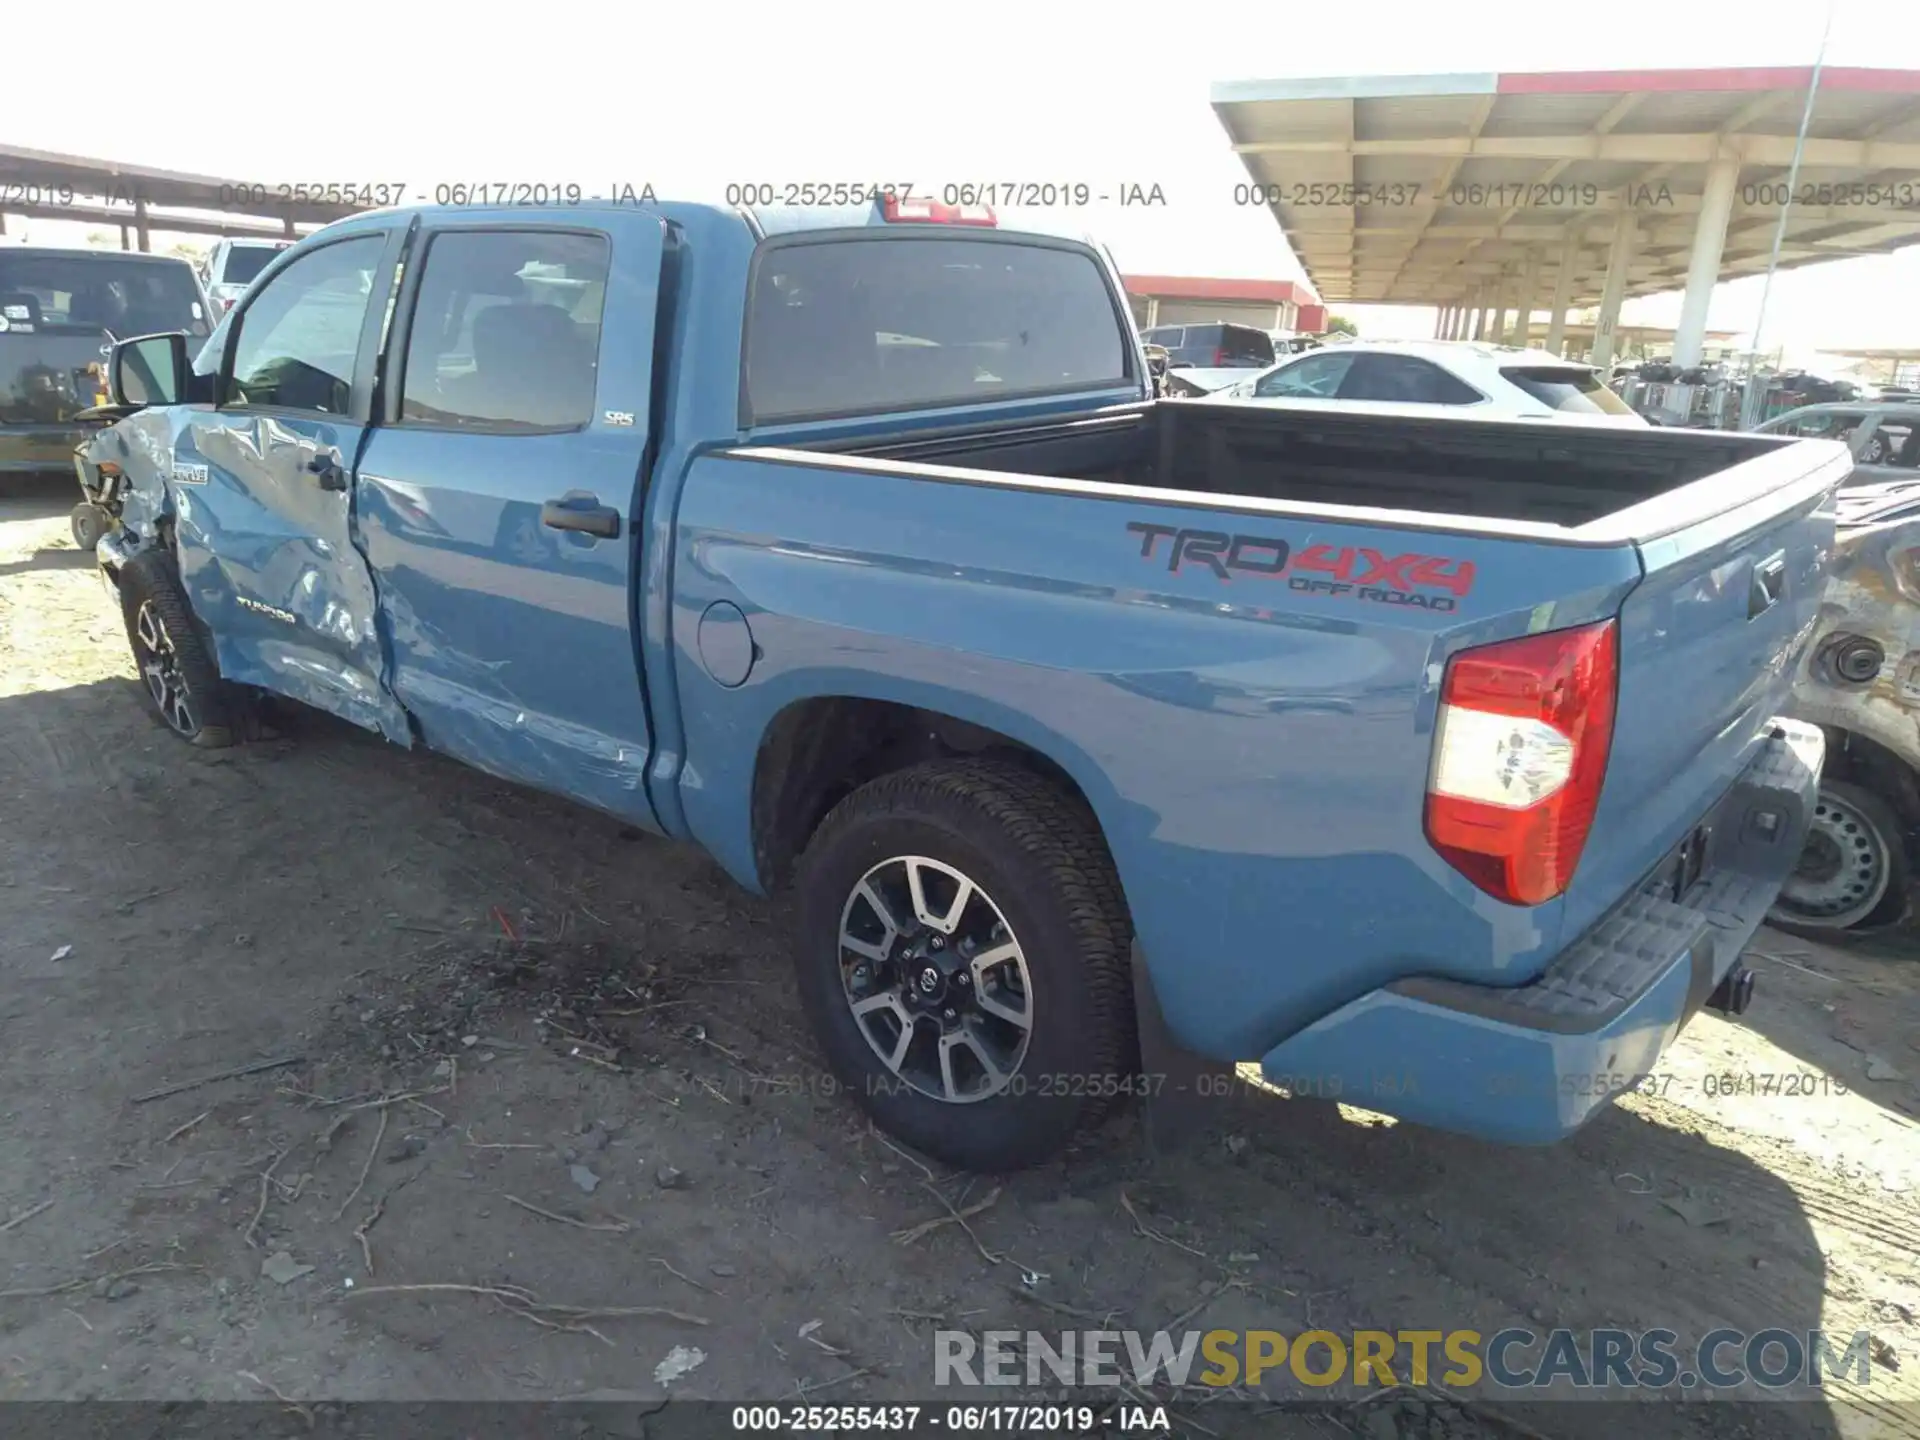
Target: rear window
848, 327
1244, 347
244, 264
88, 294
1576, 391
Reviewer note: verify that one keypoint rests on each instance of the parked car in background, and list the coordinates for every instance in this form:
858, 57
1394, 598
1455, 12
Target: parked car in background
60, 313
1357, 745
1860, 683
1883, 435
1287, 342
233, 265
1475, 378
1209, 357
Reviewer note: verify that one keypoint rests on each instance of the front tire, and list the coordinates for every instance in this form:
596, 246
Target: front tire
1852, 873
178, 674
962, 956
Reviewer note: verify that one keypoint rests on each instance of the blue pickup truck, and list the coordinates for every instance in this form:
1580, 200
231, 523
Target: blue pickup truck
1432, 764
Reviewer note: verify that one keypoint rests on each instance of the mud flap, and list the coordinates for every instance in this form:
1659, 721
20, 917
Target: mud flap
1186, 1095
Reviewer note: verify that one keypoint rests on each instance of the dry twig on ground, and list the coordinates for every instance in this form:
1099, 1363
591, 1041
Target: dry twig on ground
517, 1300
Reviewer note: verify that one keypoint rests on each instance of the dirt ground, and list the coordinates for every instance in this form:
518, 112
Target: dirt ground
613, 1105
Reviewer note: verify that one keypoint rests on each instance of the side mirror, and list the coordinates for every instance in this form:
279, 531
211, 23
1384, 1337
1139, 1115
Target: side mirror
149, 370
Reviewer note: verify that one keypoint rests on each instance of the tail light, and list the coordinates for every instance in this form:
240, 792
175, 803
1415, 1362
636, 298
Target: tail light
910, 210
1519, 755
1219, 359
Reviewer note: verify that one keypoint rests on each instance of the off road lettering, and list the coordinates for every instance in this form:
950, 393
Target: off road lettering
1354, 570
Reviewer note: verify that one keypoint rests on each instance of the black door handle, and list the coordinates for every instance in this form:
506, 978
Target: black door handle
1769, 580
581, 511
327, 472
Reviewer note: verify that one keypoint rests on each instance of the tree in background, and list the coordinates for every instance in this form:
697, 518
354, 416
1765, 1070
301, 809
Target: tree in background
1341, 325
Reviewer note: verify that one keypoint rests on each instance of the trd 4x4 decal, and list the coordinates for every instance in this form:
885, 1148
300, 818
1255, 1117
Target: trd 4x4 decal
1350, 571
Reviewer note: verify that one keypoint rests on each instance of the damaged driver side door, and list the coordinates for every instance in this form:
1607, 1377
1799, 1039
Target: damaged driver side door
263, 483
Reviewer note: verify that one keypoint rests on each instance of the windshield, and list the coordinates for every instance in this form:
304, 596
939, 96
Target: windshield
88, 294
864, 326
1568, 388
244, 264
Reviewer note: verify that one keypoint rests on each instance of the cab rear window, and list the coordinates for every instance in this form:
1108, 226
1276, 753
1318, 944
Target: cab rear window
872, 326
1568, 388
245, 262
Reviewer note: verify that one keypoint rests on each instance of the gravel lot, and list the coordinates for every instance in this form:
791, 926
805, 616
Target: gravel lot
613, 1106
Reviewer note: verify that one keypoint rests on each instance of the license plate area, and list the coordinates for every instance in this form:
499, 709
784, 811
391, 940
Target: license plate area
1684, 865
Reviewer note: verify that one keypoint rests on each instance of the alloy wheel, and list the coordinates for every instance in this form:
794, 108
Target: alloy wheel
936, 979
159, 664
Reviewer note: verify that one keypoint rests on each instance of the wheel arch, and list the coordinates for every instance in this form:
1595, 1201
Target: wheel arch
818, 749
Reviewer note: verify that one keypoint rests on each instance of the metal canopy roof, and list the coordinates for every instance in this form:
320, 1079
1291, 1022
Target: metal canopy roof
1509, 165
72, 187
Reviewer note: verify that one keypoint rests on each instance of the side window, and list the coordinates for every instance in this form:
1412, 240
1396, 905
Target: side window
1316, 378
299, 337
506, 331
1407, 380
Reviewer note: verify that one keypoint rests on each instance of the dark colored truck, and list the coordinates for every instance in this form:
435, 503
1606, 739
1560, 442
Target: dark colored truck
60, 312
850, 545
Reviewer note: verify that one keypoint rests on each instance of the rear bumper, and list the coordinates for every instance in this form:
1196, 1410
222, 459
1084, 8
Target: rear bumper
40, 449
1530, 1064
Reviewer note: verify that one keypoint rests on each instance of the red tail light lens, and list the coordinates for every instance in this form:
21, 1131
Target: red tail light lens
1519, 755
1219, 359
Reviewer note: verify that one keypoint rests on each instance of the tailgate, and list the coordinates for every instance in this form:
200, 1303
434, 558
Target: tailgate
1734, 567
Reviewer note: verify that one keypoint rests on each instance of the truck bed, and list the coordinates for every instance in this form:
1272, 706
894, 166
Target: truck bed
1521, 471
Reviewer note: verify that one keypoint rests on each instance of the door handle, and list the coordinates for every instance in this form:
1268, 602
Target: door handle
327, 471
582, 511
1769, 583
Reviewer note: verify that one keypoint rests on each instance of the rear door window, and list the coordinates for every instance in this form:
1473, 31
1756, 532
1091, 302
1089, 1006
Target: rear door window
851, 327
1407, 380
1317, 377
1242, 347
506, 331
1567, 388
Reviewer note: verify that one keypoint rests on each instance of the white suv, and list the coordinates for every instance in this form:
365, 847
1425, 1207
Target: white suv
233, 266
1463, 375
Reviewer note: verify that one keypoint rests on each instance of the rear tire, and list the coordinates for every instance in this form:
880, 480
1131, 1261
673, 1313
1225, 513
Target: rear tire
1853, 873
177, 671
992, 936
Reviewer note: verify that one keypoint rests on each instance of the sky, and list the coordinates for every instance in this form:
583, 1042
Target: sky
691, 98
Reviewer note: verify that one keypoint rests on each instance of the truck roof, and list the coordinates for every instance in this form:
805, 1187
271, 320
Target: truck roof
766, 219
